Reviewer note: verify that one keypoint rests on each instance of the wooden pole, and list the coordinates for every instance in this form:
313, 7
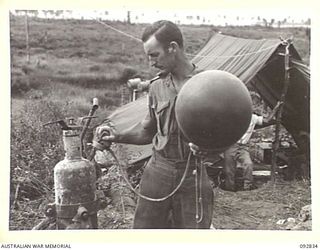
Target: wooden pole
27, 37
129, 17
11, 53
275, 145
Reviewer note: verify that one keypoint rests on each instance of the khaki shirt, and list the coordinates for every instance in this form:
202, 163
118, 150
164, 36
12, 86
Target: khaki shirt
168, 141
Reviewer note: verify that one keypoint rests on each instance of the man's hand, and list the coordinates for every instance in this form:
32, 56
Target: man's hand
279, 104
197, 151
104, 136
273, 113
201, 152
106, 133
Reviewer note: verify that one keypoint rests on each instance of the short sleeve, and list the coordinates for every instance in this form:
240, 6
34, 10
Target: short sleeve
149, 121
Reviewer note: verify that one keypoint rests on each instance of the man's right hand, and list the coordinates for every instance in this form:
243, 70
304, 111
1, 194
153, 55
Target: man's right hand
104, 135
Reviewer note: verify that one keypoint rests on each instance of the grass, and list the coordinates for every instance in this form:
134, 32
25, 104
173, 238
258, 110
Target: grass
91, 55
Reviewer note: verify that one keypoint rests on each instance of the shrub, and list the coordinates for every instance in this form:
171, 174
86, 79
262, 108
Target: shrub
88, 80
35, 150
127, 73
94, 68
22, 84
114, 58
19, 85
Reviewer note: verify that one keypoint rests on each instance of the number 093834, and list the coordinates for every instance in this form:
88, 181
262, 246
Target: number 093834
308, 246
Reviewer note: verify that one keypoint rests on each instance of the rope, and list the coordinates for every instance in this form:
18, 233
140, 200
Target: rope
195, 172
119, 31
199, 212
191, 55
146, 197
200, 192
121, 194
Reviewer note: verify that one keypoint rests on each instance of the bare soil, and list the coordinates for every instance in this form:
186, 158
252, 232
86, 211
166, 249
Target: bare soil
259, 209
262, 208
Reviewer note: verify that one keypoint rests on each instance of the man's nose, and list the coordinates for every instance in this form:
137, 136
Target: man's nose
152, 64
152, 61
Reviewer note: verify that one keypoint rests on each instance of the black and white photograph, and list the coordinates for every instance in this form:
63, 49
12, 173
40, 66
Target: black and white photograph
127, 118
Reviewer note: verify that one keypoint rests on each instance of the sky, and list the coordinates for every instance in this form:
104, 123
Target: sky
210, 16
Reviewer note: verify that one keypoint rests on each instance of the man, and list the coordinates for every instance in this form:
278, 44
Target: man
239, 153
163, 44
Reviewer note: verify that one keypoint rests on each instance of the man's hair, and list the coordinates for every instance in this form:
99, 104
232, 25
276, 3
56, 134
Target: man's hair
165, 32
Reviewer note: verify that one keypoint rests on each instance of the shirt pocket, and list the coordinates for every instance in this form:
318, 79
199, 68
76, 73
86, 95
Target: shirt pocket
162, 115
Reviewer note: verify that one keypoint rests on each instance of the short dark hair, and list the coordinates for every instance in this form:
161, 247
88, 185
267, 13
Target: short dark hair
165, 32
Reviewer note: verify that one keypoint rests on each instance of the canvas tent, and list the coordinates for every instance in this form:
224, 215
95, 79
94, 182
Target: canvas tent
260, 65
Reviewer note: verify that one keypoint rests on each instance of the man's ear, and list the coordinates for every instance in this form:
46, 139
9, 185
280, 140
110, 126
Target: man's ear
173, 47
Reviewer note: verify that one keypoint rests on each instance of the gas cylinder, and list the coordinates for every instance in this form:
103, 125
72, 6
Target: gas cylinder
213, 109
74, 180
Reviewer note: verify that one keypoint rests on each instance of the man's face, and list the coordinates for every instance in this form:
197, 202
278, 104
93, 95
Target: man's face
158, 56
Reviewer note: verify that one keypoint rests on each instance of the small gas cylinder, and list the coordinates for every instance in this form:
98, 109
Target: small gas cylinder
74, 180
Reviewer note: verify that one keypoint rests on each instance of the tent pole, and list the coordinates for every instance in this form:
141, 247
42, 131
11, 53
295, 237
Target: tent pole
275, 145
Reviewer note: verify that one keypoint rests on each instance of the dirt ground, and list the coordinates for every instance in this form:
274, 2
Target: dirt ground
269, 207
262, 208
272, 206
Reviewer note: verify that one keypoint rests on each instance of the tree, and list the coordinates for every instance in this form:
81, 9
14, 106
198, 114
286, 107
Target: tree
129, 17
33, 12
279, 24
268, 24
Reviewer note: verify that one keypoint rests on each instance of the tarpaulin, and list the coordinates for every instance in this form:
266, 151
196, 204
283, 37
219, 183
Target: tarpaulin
241, 57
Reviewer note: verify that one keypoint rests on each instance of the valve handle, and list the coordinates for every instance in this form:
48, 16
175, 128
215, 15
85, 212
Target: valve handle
62, 124
95, 106
84, 118
95, 103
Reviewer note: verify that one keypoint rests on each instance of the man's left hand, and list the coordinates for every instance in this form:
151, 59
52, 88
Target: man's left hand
203, 152
197, 151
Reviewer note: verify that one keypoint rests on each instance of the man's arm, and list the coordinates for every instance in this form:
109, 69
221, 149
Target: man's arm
268, 121
140, 133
